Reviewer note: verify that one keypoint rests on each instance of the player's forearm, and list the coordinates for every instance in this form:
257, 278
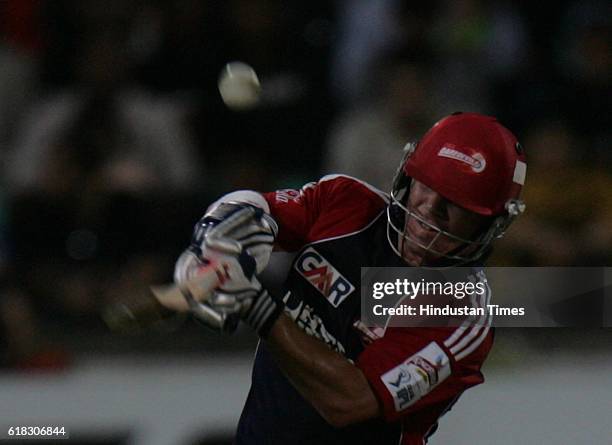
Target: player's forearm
336, 388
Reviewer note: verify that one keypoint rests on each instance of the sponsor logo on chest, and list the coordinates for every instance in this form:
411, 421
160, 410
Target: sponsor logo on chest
323, 276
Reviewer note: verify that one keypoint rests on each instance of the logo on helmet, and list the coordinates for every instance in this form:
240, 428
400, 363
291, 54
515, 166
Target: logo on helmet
476, 161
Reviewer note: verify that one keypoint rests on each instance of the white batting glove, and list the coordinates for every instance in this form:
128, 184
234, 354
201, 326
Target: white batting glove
255, 306
221, 230
240, 236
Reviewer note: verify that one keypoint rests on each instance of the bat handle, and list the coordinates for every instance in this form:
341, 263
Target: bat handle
184, 297
167, 300
131, 315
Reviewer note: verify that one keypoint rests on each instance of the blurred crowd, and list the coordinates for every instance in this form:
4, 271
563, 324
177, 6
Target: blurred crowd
114, 137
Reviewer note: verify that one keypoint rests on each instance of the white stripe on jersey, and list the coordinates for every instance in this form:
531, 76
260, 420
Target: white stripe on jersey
473, 332
462, 345
370, 187
475, 344
363, 229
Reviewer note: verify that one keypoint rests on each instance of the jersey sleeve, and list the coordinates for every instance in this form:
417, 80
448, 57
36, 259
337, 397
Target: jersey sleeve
409, 370
333, 206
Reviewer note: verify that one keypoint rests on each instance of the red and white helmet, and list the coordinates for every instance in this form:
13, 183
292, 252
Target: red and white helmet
471, 160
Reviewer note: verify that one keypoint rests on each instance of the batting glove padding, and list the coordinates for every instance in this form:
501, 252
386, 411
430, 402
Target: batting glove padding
246, 224
265, 310
240, 236
256, 306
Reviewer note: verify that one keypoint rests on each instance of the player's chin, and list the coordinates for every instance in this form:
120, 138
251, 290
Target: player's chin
414, 255
419, 256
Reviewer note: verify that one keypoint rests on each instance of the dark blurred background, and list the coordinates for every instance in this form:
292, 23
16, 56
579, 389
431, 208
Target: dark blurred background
114, 140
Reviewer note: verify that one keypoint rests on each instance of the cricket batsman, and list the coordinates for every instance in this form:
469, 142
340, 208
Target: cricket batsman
319, 377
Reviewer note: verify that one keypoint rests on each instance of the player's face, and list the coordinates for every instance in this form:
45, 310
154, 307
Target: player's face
439, 212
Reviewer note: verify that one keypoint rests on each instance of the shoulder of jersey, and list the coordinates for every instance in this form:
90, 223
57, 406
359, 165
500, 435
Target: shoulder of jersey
347, 191
347, 205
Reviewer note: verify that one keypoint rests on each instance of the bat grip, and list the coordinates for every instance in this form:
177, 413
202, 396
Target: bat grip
131, 315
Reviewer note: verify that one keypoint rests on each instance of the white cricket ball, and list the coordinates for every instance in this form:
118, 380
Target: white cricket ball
239, 86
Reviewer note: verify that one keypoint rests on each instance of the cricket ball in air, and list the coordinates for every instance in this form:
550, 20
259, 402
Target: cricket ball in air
239, 86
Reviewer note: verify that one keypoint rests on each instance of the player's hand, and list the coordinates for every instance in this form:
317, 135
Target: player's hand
245, 224
241, 297
240, 236
253, 304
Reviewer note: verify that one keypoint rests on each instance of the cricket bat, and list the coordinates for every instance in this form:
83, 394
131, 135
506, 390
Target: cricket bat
166, 300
